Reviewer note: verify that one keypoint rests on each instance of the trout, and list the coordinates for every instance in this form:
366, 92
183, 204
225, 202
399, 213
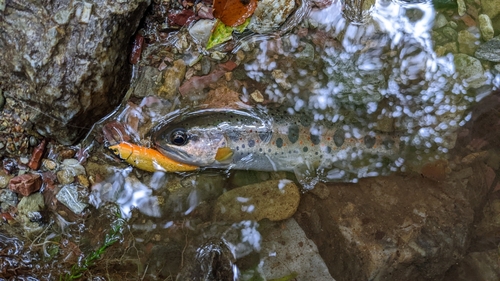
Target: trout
275, 140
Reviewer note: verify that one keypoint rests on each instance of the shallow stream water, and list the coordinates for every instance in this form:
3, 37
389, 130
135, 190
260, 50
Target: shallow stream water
398, 68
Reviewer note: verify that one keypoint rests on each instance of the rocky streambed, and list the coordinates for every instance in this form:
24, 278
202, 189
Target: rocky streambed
69, 207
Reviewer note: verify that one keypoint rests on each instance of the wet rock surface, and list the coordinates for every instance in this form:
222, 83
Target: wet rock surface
66, 61
25, 184
275, 200
390, 228
489, 50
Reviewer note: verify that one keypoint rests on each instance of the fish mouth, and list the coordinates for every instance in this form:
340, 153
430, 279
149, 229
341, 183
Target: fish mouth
177, 155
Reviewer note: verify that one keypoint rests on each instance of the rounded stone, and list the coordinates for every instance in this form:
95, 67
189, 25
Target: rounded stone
467, 42
486, 27
470, 70
275, 200
270, 14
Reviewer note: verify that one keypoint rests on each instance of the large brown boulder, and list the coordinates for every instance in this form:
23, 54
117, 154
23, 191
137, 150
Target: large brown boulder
65, 61
395, 228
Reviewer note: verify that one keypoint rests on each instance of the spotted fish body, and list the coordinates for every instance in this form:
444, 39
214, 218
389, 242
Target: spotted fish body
273, 140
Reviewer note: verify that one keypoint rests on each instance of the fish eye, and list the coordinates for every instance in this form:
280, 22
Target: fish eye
179, 137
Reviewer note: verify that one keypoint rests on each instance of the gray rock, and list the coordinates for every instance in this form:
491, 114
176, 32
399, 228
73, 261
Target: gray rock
470, 70
440, 21
291, 241
202, 30
67, 60
145, 84
68, 196
490, 50
8, 197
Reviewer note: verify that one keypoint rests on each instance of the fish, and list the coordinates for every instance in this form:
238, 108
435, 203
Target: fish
272, 139
149, 159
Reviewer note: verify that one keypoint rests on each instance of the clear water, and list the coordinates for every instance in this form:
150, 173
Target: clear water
373, 70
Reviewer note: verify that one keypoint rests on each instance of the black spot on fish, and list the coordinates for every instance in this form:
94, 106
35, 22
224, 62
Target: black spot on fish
243, 146
293, 133
260, 149
279, 142
234, 136
388, 143
329, 149
305, 121
251, 143
265, 136
316, 153
315, 139
237, 148
269, 150
369, 141
339, 137
305, 149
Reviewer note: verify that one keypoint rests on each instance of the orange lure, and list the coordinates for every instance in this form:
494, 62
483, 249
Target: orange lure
148, 159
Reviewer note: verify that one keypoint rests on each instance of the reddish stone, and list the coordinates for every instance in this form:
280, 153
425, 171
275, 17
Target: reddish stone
115, 132
205, 12
25, 184
468, 20
135, 55
198, 83
181, 18
35, 162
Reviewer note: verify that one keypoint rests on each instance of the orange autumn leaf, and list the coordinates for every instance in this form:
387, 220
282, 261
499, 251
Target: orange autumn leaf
233, 12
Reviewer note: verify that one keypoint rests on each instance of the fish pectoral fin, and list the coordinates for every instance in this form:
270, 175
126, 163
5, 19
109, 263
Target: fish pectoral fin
306, 176
224, 154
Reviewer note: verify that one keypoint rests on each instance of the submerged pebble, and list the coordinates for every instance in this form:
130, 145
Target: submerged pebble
29, 212
70, 168
7, 198
486, 27
470, 70
275, 200
270, 14
68, 196
25, 184
4, 179
490, 50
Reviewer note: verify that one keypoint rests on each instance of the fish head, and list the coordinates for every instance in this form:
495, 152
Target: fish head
194, 145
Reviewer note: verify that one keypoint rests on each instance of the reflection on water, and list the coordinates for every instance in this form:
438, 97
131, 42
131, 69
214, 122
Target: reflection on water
370, 72
356, 89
